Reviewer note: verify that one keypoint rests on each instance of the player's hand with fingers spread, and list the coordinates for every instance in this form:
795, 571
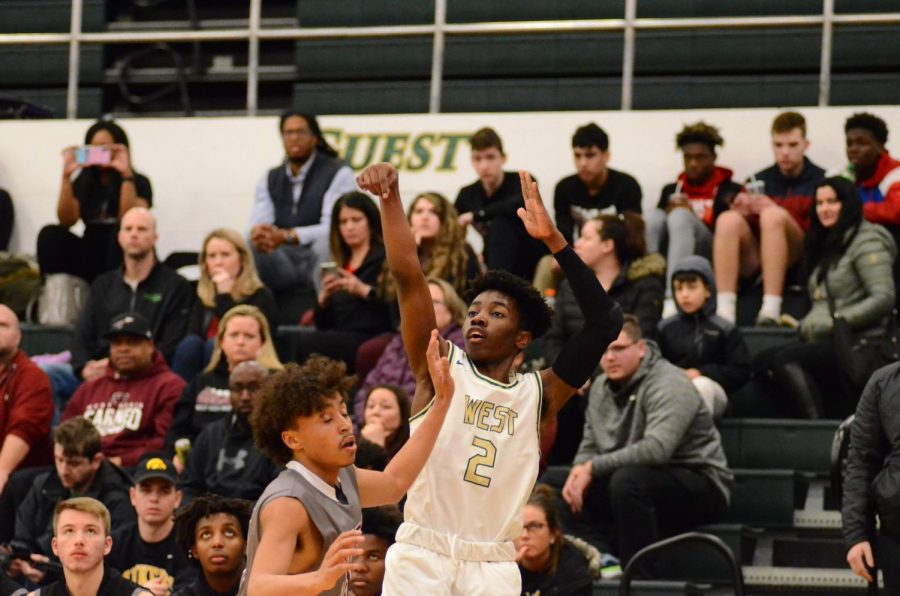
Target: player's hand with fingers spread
861, 559
339, 557
535, 217
439, 368
380, 179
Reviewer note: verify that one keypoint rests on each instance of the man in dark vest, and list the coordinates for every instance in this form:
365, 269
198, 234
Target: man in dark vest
291, 214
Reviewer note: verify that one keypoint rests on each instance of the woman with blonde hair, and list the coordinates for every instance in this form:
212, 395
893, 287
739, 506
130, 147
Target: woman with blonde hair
243, 334
227, 278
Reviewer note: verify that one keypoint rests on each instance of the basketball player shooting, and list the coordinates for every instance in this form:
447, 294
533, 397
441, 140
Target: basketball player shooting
464, 510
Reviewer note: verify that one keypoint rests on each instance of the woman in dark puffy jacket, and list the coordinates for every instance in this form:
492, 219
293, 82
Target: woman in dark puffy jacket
851, 260
615, 249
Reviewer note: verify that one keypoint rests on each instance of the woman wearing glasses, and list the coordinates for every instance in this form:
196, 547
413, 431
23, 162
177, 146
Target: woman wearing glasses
549, 562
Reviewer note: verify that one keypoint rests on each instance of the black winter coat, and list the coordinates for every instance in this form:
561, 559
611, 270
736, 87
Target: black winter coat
34, 516
639, 290
872, 474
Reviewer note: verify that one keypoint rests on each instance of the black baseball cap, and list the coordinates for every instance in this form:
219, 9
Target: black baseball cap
130, 323
155, 467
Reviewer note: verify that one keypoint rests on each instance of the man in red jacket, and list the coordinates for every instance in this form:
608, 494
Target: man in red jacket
26, 404
131, 404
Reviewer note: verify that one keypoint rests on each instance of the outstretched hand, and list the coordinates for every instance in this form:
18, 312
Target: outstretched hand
439, 369
535, 217
380, 179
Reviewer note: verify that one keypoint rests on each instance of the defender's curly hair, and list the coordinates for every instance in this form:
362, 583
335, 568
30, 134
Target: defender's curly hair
699, 132
534, 313
294, 392
207, 505
870, 122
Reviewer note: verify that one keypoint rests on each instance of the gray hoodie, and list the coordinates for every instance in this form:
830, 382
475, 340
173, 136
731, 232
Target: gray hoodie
656, 419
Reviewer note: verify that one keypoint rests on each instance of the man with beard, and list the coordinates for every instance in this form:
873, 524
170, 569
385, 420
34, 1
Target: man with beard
223, 459
291, 213
132, 404
146, 552
142, 285
80, 471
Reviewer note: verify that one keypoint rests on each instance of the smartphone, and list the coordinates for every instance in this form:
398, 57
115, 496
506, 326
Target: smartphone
755, 186
93, 155
328, 268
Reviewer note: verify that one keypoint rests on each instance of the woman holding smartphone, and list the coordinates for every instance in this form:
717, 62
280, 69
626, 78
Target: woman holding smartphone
98, 186
349, 309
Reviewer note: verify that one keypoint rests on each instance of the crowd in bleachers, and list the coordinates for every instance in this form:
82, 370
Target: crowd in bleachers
152, 411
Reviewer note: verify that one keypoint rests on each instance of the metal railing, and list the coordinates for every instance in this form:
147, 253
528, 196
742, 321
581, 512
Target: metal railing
629, 25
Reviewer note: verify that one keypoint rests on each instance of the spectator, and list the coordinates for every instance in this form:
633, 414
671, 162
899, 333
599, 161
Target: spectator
443, 249
98, 195
224, 459
227, 278
651, 462
763, 229
7, 217
386, 419
349, 309
549, 563
131, 405
871, 484
490, 205
294, 203
614, 248
595, 189
81, 540
145, 286
379, 526
393, 366
683, 222
243, 334
212, 532
850, 260
709, 349
876, 173
80, 471
26, 408
146, 552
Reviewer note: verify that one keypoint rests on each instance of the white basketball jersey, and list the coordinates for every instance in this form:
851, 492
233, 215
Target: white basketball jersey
485, 461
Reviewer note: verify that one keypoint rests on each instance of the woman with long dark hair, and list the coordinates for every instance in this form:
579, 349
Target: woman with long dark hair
349, 309
97, 191
850, 261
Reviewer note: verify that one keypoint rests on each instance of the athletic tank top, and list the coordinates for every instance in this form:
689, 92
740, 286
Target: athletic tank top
485, 460
330, 517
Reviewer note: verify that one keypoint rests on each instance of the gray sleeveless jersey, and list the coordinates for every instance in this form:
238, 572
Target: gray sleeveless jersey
330, 517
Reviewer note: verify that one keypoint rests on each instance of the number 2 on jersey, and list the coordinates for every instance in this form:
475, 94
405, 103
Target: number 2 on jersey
486, 459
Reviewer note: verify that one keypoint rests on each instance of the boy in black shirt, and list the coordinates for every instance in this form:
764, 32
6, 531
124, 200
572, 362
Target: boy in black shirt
595, 189
146, 552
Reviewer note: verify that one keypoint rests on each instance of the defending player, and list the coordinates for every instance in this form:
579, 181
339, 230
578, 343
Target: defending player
304, 530
464, 510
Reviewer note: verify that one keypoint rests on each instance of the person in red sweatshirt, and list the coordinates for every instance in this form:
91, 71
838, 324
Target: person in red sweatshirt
683, 223
876, 173
26, 404
132, 404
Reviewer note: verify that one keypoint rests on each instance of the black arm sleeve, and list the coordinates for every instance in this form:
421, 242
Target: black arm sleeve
602, 322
